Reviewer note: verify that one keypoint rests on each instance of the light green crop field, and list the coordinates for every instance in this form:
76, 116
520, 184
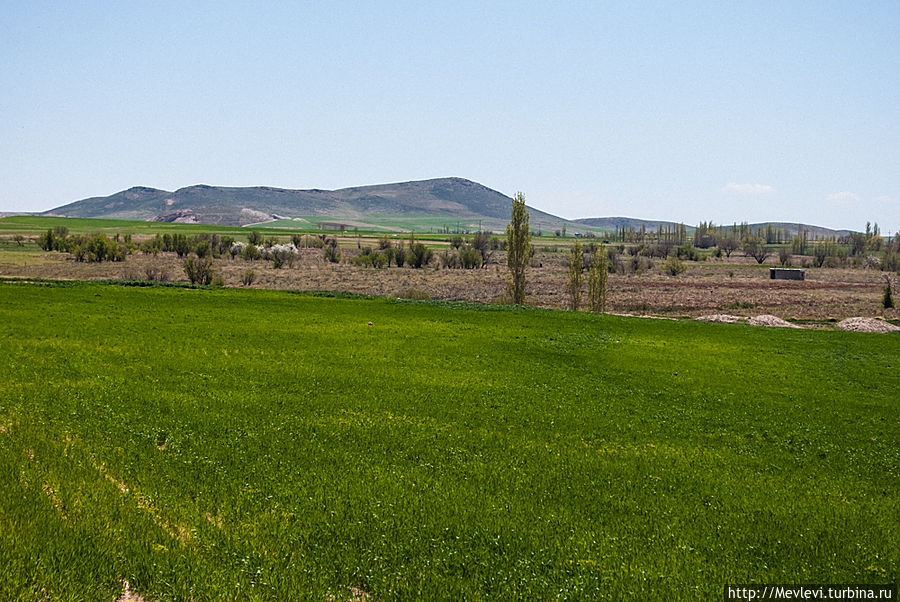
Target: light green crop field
218, 444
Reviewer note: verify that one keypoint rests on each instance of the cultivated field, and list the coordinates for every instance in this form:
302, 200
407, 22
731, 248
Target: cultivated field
736, 286
225, 444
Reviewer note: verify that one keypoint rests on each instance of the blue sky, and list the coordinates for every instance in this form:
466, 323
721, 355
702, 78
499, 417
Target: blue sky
684, 111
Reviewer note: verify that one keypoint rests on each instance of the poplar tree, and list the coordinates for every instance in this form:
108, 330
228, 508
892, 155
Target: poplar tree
518, 249
576, 276
597, 280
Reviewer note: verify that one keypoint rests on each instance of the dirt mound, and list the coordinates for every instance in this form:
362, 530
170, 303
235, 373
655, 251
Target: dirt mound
866, 325
768, 320
723, 318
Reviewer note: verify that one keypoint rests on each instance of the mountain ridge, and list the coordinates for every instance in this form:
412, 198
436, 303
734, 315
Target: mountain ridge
452, 197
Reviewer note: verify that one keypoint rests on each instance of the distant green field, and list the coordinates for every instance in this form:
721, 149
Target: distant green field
228, 444
33, 225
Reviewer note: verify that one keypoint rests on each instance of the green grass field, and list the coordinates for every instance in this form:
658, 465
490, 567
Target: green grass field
224, 444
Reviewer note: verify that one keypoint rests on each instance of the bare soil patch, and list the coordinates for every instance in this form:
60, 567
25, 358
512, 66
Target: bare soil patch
706, 288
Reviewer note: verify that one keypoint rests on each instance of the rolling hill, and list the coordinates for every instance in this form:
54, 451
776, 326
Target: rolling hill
403, 205
792, 228
455, 198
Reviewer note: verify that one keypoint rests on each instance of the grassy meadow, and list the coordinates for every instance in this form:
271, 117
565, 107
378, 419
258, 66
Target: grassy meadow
226, 444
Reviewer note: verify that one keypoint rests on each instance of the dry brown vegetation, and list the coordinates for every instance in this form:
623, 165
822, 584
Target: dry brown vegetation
735, 286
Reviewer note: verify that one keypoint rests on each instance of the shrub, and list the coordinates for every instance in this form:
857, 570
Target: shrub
255, 237
784, 256
673, 266
156, 274
332, 255
639, 264
202, 248
688, 252
152, 246
251, 252
469, 257
399, 255
484, 244
419, 255
371, 258
281, 254
887, 300
199, 270
449, 260
180, 244
414, 294
45, 240
248, 277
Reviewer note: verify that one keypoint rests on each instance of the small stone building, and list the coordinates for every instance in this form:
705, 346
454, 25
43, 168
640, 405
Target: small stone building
787, 274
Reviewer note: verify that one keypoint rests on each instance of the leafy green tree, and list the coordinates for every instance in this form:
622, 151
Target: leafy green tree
575, 273
45, 240
418, 255
255, 237
755, 247
199, 270
518, 248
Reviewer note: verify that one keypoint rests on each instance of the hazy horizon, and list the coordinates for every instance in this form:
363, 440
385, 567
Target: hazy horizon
682, 112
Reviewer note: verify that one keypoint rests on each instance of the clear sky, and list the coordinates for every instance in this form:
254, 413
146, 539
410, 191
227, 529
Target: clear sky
684, 111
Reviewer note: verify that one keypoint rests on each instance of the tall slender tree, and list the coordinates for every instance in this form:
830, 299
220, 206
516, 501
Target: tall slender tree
518, 248
597, 279
576, 276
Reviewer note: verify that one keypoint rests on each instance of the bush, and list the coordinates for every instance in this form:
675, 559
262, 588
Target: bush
202, 248
784, 256
248, 277
398, 254
369, 258
688, 252
251, 253
419, 255
887, 300
255, 237
152, 246
639, 264
199, 270
281, 254
414, 294
673, 267
332, 255
156, 274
